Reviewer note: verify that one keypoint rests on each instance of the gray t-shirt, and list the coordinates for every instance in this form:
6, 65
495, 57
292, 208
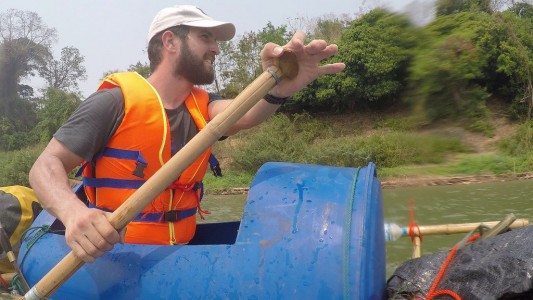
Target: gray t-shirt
94, 122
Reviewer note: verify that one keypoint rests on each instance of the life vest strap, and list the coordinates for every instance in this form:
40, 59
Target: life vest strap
112, 183
140, 162
167, 216
215, 166
135, 155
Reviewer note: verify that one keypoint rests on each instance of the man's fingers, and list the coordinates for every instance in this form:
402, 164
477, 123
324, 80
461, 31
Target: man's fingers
106, 230
93, 237
85, 250
297, 41
331, 68
123, 234
316, 47
99, 241
328, 52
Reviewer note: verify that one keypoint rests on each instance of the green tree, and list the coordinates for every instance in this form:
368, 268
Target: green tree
239, 62
57, 105
330, 28
245, 57
377, 49
142, 68
24, 41
448, 7
448, 73
272, 34
522, 10
515, 59
65, 72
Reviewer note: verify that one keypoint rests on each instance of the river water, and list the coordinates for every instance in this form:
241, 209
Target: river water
433, 205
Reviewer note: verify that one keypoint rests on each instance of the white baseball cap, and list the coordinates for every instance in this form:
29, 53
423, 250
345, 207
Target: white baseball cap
189, 15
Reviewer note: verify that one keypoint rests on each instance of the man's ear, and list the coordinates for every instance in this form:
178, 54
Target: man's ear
169, 41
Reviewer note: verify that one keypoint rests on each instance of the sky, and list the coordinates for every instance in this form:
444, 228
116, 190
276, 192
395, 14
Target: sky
111, 34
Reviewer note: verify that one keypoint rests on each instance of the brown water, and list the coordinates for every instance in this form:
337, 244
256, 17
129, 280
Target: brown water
434, 205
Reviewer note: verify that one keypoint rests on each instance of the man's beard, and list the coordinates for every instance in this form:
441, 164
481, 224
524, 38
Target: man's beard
192, 68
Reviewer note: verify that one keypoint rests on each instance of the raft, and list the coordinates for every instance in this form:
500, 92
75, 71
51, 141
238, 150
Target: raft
307, 231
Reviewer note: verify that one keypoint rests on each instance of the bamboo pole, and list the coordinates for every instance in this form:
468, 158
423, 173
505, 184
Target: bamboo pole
417, 247
495, 227
212, 132
502, 226
446, 229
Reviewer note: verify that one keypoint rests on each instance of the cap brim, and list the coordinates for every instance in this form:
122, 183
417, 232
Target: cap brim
223, 31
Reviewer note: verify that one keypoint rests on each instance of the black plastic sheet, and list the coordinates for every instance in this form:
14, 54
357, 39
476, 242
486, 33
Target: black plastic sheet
500, 267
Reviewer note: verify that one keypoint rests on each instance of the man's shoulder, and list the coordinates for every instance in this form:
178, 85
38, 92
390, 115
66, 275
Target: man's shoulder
105, 98
115, 93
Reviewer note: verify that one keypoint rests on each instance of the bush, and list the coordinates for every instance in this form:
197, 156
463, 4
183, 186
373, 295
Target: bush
494, 164
16, 165
278, 139
401, 123
306, 140
384, 148
520, 143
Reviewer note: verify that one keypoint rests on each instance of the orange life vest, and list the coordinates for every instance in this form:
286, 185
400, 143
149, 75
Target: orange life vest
139, 147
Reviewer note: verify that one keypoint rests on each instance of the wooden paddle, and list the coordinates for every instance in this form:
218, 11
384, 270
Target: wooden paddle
215, 129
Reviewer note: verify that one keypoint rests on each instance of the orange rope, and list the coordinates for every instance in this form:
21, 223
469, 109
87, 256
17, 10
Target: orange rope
412, 224
444, 292
4, 282
432, 291
201, 211
189, 187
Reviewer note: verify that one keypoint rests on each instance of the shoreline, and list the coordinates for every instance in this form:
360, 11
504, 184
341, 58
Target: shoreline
451, 180
414, 181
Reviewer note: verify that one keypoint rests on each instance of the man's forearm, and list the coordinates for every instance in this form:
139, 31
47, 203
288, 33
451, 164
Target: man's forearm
51, 185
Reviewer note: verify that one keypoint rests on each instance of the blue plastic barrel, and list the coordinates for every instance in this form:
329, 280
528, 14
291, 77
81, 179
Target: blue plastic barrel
307, 231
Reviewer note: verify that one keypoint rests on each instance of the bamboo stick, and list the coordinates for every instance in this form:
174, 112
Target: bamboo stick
502, 226
417, 247
446, 229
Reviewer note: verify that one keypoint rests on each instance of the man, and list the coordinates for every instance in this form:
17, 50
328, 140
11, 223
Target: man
131, 126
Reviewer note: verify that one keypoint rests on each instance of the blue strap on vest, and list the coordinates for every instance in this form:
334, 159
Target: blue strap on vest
200, 185
215, 166
135, 155
168, 216
127, 154
80, 170
113, 183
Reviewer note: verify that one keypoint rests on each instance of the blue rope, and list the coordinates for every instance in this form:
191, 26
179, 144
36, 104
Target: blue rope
35, 233
16, 285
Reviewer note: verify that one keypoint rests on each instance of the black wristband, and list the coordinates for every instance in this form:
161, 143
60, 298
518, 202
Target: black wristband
274, 100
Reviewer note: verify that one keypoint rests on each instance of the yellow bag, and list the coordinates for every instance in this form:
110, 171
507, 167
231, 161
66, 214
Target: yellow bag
18, 208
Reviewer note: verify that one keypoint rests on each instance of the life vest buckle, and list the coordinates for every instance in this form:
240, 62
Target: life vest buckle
139, 169
217, 172
175, 215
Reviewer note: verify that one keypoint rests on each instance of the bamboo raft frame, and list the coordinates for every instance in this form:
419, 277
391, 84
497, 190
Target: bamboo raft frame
446, 229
